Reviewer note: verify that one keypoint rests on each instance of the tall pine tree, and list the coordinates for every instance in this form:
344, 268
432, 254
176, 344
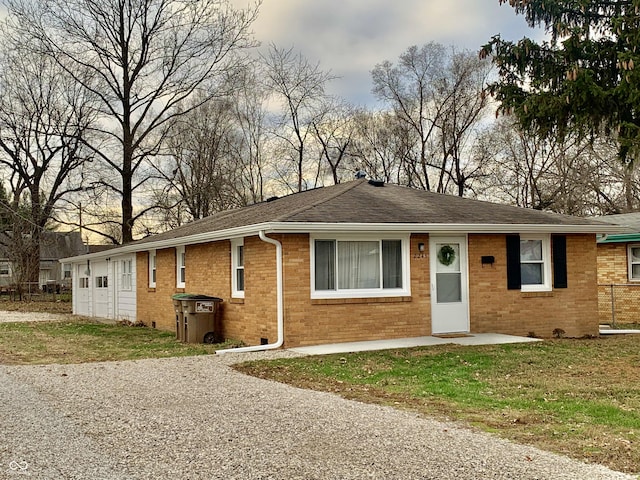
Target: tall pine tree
585, 77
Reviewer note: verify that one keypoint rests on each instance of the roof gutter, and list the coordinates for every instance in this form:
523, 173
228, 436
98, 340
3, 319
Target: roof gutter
226, 234
312, 227
280, 303
300, 227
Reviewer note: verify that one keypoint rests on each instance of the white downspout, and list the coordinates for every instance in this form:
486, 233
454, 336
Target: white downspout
280, 303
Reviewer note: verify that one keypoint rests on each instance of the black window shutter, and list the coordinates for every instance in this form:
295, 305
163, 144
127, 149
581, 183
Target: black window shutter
559, 261
513, 262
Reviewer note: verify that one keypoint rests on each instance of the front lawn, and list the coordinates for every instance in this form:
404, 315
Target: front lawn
576, 397
78, 341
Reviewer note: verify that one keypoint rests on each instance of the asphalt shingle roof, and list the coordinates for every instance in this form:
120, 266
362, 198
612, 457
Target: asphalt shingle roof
630, 220
360, 201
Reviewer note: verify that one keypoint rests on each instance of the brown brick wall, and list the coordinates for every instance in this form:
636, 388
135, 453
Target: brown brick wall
612, 263
493, 308
309, 322
154, 305
208, 272
618, 297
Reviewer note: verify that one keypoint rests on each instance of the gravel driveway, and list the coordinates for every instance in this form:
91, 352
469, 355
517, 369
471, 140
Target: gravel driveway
196, 418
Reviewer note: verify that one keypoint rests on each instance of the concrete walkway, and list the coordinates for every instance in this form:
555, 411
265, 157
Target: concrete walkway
468, 339
607, 330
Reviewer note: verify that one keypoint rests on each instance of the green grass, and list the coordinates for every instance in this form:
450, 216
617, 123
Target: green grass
577, 397
79, 341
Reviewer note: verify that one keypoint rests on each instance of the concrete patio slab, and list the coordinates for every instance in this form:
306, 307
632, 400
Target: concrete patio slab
470, 339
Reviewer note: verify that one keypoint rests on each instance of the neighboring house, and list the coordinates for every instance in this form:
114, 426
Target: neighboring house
53, 247
357, 261
619, 270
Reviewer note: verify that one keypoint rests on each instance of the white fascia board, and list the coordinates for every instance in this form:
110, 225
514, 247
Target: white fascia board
286, 227
206, 237
310, 227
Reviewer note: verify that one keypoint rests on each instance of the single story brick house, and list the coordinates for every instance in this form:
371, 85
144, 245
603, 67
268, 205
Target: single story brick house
361, 260
619, 270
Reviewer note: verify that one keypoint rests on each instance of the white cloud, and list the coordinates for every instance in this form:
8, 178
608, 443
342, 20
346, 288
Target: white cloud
349, 37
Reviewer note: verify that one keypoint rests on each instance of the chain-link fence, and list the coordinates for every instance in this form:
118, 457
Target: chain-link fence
619, 303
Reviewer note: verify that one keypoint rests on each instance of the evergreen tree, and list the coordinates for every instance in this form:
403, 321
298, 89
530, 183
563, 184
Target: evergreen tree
582, 78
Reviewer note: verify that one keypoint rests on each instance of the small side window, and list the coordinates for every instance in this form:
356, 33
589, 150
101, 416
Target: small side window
152, 268
126, 276
181, 267
237, 268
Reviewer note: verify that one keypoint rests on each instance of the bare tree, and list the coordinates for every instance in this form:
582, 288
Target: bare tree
438, 95
334, 133
214, 154
575, 176
461, 91
299, 86
410, 88
382, 146
202, 166
519, 166
249, 100
44, 120
142, 59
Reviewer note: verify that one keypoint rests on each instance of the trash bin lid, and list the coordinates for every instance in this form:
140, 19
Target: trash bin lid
194, 296
180, 296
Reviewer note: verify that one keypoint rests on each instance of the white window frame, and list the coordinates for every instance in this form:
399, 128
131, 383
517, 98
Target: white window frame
153, 271
545, 286
405, 291
631, 263
126, 274
235, 244
181, 266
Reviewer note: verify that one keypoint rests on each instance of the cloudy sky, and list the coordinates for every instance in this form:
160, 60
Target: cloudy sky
349, 37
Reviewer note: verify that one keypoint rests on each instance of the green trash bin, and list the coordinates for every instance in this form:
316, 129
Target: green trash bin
197, 324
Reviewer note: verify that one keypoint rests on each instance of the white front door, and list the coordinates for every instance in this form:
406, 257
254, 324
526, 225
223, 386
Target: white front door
449, 286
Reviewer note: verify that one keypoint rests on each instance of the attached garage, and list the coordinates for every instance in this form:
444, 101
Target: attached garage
104, 287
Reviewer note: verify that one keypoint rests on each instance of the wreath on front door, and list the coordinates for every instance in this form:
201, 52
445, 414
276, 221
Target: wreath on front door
446, 255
